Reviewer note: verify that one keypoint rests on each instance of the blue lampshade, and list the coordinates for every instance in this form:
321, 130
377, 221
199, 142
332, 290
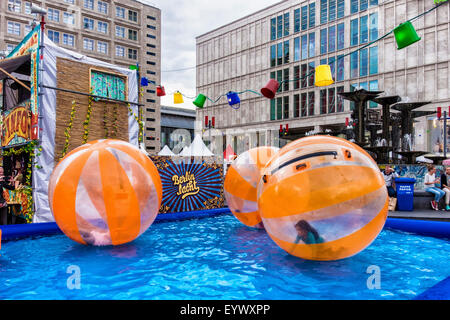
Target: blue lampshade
144, 82
233, 98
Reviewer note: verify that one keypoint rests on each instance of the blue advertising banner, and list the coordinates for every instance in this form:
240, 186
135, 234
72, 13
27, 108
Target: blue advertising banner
190, 186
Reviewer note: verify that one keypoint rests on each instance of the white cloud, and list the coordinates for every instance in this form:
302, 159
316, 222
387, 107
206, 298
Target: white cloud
182, 21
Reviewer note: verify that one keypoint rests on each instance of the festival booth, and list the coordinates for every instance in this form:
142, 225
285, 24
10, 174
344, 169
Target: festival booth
192, 180
54, 100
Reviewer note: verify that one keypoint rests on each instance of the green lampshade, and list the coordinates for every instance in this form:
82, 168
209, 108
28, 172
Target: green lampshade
133, 67
405, 35
200, 101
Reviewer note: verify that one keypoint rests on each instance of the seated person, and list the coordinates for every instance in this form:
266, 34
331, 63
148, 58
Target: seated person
389, 175
430, 183
445, 185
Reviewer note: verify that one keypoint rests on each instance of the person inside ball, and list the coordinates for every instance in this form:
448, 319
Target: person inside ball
307, 233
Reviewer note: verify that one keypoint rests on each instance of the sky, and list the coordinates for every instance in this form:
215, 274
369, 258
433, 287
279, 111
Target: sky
182, 21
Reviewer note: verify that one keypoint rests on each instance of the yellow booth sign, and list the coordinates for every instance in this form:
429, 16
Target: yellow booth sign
16, 126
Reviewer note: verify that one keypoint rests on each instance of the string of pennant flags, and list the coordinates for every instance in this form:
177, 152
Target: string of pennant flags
405, 35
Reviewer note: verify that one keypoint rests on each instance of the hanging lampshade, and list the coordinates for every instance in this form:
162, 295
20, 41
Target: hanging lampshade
199, 102
405, 35
160, 92
270, 89
233, 98
177, 98
134, 67
144, 82
323, 76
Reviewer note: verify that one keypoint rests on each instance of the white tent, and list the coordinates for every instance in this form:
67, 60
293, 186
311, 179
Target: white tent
423, 159
186, 152
199, 149
166, 152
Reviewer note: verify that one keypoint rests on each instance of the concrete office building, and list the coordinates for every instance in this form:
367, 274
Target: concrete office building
288, 40
122, 32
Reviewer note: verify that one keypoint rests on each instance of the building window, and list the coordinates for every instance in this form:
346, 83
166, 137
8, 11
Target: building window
132, 15
53, 14
331, 100
27, 7
132, 34
323, 11
296, 105
323, 41
311, 68
27, 28
279, 27
312, 15
353, 6
354, 39
102, 47
120, 51
102, 7
89, 4
53, 35
151, 18
340, 8
373, 3
286, 80
304, 70
296, 20
88, 23
69, 18
273, 55
151, 53
363, 5
132, 54
297, 49
280, 76
312, 44
332, 10
273, 29
280, 53
363, 62
286, 107
363, 30
68, 40
323, 101
373, 26
304, 17
14, 6
14, 28
304, 104
272, 109
332, 39
373, 86
340, 76
286, 52
69, 1
286, 24
339, 99
340, 36
88, 44
296, 77
332, 64
279, 108
120, 32
373, 56
120, 12
151, 63
354, 65
102, 27
151, 27
304, 47
311, 103
151, 36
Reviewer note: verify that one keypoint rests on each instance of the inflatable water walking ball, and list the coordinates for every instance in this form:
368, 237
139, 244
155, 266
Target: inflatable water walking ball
322, 198
106, 192
241, 182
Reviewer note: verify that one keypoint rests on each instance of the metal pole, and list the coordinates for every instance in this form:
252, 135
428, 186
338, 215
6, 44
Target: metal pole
445, 134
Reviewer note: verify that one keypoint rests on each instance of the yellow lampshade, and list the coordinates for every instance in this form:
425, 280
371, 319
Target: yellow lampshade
177, 98
323, 76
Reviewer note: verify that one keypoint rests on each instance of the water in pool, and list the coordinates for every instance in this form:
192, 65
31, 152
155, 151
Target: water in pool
216, 258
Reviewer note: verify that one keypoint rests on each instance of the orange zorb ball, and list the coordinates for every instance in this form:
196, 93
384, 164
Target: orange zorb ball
322, 198
106, 192
241, 182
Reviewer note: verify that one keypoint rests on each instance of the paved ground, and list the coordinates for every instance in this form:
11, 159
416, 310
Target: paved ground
421, 215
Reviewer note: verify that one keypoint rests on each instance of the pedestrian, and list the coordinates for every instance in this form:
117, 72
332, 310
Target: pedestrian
430, 183
389, 175
445, 181
3, 204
